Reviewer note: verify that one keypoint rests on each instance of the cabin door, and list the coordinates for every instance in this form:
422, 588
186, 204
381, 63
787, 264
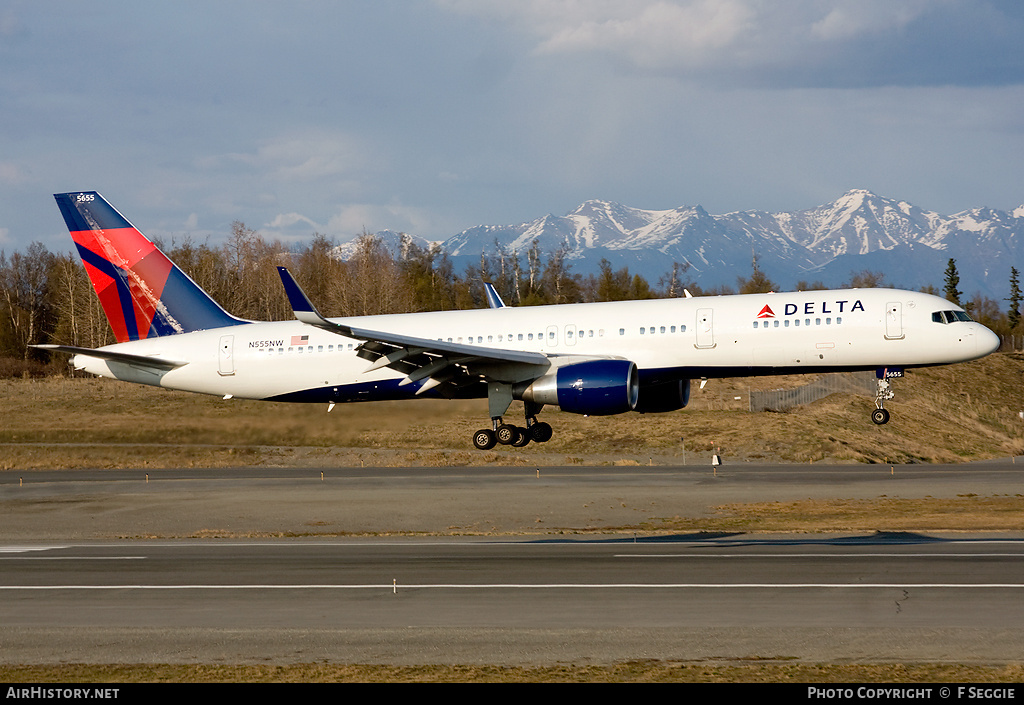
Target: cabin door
893, 320
226, 355
705, 328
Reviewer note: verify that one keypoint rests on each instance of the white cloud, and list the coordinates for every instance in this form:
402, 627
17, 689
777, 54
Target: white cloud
301, 157
372, 217
867, 17
660, 33
286, 220
13, 174
782, 43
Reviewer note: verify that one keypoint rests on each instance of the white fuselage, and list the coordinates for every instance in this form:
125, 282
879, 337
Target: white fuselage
719, 336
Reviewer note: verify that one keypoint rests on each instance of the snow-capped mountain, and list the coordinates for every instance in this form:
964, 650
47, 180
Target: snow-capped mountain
858, 231
397, 244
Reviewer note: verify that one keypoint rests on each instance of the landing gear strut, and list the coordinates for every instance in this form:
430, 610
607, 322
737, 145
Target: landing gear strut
883, 392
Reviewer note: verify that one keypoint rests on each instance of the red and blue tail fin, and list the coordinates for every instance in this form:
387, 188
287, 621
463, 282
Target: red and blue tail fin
142, 292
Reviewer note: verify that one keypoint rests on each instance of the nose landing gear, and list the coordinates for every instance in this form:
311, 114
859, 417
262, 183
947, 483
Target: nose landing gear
883, 393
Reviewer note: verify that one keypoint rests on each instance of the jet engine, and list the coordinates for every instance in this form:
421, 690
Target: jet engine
665, 396
594, 387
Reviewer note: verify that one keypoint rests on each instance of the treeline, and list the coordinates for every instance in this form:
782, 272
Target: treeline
47, 297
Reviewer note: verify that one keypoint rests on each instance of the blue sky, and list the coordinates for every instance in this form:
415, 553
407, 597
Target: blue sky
432, 117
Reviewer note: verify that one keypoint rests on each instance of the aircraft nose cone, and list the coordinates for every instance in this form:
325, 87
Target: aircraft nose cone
988, 342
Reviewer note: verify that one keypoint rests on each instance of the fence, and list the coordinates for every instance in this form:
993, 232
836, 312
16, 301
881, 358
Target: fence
782, 399
1011, 343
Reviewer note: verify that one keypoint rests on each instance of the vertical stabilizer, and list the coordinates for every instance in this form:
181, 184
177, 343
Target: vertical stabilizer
143, 293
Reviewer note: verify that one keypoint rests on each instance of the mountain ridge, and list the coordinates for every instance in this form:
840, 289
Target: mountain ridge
859, 230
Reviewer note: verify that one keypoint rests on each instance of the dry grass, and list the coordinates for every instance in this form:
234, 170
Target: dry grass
881, 514
942, 415
767, 671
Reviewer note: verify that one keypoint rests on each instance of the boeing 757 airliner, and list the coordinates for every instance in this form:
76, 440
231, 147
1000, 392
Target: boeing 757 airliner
595, 358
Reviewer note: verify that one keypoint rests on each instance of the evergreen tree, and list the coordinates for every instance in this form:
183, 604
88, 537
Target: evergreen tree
757, 283
952, 281
1013, 315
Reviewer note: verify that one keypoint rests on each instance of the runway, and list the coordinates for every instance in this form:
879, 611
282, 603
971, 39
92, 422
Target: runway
497, 600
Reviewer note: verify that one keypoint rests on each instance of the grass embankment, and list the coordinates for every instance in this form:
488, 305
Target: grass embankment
943, 415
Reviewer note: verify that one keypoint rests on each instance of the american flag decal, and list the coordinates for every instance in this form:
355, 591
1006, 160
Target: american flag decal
300, 339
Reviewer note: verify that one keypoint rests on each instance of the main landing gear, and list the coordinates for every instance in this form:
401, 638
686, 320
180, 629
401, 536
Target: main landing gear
509, 435
499, 399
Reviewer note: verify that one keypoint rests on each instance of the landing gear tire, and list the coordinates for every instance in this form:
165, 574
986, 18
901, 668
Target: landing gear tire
522, 438
540, 432
484, 439
506, 434
880, 416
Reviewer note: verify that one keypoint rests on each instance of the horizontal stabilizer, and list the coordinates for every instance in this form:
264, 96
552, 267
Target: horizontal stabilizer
155, 363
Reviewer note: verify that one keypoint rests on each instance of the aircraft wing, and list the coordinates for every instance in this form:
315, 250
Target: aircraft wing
151, 363
439, 362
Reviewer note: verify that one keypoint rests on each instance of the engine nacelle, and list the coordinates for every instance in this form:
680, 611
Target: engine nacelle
594, 387
666, 396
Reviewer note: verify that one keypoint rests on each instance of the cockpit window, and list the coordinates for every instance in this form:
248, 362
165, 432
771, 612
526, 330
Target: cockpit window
950, 316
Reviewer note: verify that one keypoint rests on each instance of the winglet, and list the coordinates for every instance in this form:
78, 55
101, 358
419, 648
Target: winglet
493, 300
303, 308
